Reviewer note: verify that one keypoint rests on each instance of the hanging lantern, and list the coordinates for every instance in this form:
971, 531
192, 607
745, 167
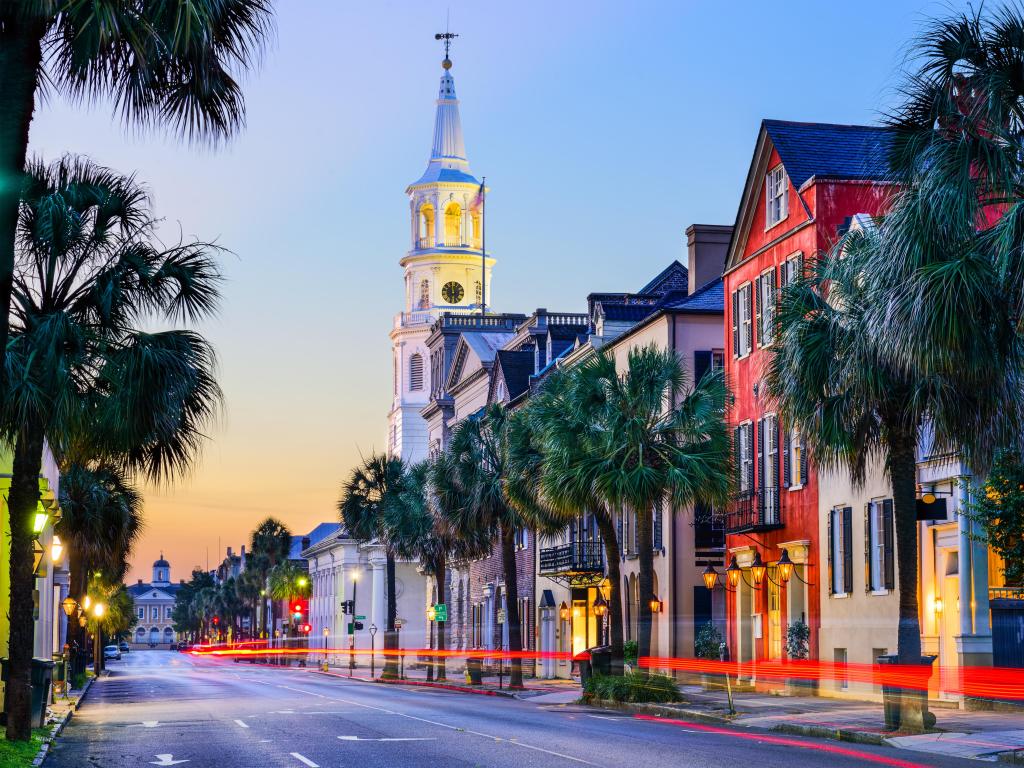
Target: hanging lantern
656, 604
733, 572
785, 567
600, 605
563, 611
710, 577
758, 569
69, 604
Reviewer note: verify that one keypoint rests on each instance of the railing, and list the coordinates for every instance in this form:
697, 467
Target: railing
576, 557
756, 510
424, 242
1007, 593
449, 320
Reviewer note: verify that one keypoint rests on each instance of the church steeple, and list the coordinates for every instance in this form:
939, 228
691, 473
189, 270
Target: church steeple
448, 161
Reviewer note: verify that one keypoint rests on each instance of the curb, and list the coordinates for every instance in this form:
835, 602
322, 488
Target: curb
835, 734
55, 731
1014, 757
424, 684
659, 710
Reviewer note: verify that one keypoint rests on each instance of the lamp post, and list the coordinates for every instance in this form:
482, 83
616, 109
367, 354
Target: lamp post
326, 632
601, 611
373, 631
98, 609
352, 625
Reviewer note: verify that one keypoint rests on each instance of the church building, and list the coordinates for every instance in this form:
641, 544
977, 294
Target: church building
154, 603
444, 270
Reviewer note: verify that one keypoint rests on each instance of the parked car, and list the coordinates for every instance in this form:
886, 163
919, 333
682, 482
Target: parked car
124, 647
112, 652
172, 647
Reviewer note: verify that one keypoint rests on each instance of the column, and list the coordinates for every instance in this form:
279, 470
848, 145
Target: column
974, 645
378, 604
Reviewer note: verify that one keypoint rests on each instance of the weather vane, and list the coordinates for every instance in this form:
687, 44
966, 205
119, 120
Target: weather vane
447, 37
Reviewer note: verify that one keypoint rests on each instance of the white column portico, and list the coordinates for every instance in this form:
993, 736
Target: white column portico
378, 605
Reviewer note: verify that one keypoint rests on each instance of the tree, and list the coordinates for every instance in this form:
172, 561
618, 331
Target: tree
422, 533
101, 519
90, 273
185, 612
165, 63
1000, 509
269, 545
287, 581
365, 497
472, 484
854, 404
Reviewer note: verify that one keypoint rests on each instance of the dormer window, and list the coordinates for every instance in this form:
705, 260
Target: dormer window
776, 193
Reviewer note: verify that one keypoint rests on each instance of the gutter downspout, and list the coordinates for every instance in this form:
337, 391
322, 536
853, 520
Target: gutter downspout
673, 597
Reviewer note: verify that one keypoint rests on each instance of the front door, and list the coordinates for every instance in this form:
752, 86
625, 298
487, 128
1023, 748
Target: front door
774, 615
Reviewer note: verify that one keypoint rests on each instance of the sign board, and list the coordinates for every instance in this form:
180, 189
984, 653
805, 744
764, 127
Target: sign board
934, 511
360, 618
440, 612
501, 615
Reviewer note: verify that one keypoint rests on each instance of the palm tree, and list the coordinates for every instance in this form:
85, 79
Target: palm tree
287, 581
653, 438
90, 273
366, 495
853, 403
422, 533
567, 407
269, 545
158, 63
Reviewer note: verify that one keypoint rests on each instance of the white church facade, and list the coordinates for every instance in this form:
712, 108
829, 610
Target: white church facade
154, 603
445, 270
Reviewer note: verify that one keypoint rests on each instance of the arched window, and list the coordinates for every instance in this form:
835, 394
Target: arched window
453, 224
424, 294
426, 237
416, 372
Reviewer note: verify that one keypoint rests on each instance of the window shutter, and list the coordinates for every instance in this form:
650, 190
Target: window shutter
772, 297
701, 364
737, 451
758, 309
889, 549
831, 550
786, 449
735, 324
803, 461
847, 548
867, 547
760, 452
749, 432
773, 438
657, 527
748, 296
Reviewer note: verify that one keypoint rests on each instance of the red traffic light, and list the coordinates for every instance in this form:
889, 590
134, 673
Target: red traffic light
297, 608
216, 620
306, 628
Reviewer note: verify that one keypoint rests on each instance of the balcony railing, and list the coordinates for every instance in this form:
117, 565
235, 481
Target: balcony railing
756, 510
576, 557
1006, 593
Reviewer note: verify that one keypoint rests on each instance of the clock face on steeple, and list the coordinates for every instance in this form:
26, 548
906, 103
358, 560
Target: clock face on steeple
452, 292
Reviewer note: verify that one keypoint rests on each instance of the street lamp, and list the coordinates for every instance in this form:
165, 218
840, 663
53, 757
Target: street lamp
69, 604
733, 572
710, 576
758, 569
656, 604
600, 605
98, 610
39, 521
82, 621
785, 567
56, 550
563, 611
87, 602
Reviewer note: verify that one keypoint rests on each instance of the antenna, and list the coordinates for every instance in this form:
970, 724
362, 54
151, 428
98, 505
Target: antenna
447, 37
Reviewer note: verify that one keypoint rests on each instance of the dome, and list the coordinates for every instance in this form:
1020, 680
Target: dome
161, 563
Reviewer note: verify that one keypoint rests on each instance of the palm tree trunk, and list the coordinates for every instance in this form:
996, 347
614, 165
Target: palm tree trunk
22, 501
20, 57
515, 636
439, 578
390, 671
914, 714
611, 555
645, 542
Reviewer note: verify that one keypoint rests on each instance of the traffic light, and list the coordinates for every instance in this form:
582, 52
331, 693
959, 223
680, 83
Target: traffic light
306, 628
216, 620
348, 607
358, 624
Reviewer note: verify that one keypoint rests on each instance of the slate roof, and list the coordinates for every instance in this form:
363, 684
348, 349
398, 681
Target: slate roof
627, 312
672, 277
824, 149
516, 369
485, 345
315, 536
710, 297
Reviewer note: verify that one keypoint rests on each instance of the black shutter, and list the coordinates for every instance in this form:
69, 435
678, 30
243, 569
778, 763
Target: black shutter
758, 309
831, 551
737, 451
657, 527
735, 324
786, 447
867, 547
760, 453
701, 364
803, 461
773, 296
847, 549
889, 548
749, 431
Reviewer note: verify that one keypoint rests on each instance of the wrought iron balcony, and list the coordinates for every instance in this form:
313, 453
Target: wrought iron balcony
577, 563
756, 510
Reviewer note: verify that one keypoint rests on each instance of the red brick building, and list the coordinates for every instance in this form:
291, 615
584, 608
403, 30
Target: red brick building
804, 184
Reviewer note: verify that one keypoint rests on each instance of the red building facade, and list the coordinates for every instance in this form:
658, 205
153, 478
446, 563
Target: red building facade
804, 184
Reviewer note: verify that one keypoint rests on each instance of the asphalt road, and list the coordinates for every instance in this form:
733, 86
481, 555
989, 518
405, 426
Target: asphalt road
166, 708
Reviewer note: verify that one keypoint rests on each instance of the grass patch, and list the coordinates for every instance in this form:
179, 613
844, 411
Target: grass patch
19, 754
634, 688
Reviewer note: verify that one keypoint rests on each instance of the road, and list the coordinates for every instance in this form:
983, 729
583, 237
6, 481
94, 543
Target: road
166, 708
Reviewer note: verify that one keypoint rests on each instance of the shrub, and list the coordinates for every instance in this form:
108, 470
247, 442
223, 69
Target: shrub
630, 651
78, 682
798, 637
635, 688
709, 639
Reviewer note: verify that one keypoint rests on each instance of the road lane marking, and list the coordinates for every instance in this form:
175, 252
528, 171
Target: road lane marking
166, 759
146, 724
404, 738
242, 723
305, 760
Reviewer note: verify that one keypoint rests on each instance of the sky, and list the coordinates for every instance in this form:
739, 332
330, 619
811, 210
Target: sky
604, 129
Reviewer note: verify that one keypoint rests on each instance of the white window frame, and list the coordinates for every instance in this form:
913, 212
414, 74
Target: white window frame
766, 304
745, 323
746, 458
838, 554
789, 268
876, 541
776, 197
796, 449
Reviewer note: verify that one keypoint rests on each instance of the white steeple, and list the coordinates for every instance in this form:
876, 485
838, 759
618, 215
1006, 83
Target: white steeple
448, 153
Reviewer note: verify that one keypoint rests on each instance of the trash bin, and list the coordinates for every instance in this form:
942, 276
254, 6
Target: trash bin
601, 660
474, 670
582, 662
892, 694
42, 677
60, 674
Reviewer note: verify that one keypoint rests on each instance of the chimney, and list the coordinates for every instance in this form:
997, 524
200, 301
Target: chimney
140, 581
706, 248
305, 542
229, 553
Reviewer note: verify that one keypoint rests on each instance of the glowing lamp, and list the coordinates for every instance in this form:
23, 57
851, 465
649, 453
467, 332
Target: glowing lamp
928, 494
656, 605
600, 605
302, 581
710, 576
733, 572
98, 610
297, 609
87, 602
563, 611
431, 613
39, 522
785, 567
69, 604
938, 605
326, 631
56, 550
758, 569
82, 621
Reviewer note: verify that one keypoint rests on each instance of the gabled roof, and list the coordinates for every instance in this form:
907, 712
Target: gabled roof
672, 277
825, 149
514, 368
484, 346
138, 590
709, 298
318, 534
625, 312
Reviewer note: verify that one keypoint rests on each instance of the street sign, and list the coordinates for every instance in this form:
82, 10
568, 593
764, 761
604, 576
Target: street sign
398, 623
360, 618
501, 615
440, 612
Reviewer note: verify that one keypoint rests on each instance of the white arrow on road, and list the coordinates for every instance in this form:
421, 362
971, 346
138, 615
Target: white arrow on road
166, 760
147, 724
356, 738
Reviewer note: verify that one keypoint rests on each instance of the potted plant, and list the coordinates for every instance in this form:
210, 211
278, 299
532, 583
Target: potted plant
798, 639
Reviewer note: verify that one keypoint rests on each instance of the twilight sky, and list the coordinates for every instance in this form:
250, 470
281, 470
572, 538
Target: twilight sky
604, 129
